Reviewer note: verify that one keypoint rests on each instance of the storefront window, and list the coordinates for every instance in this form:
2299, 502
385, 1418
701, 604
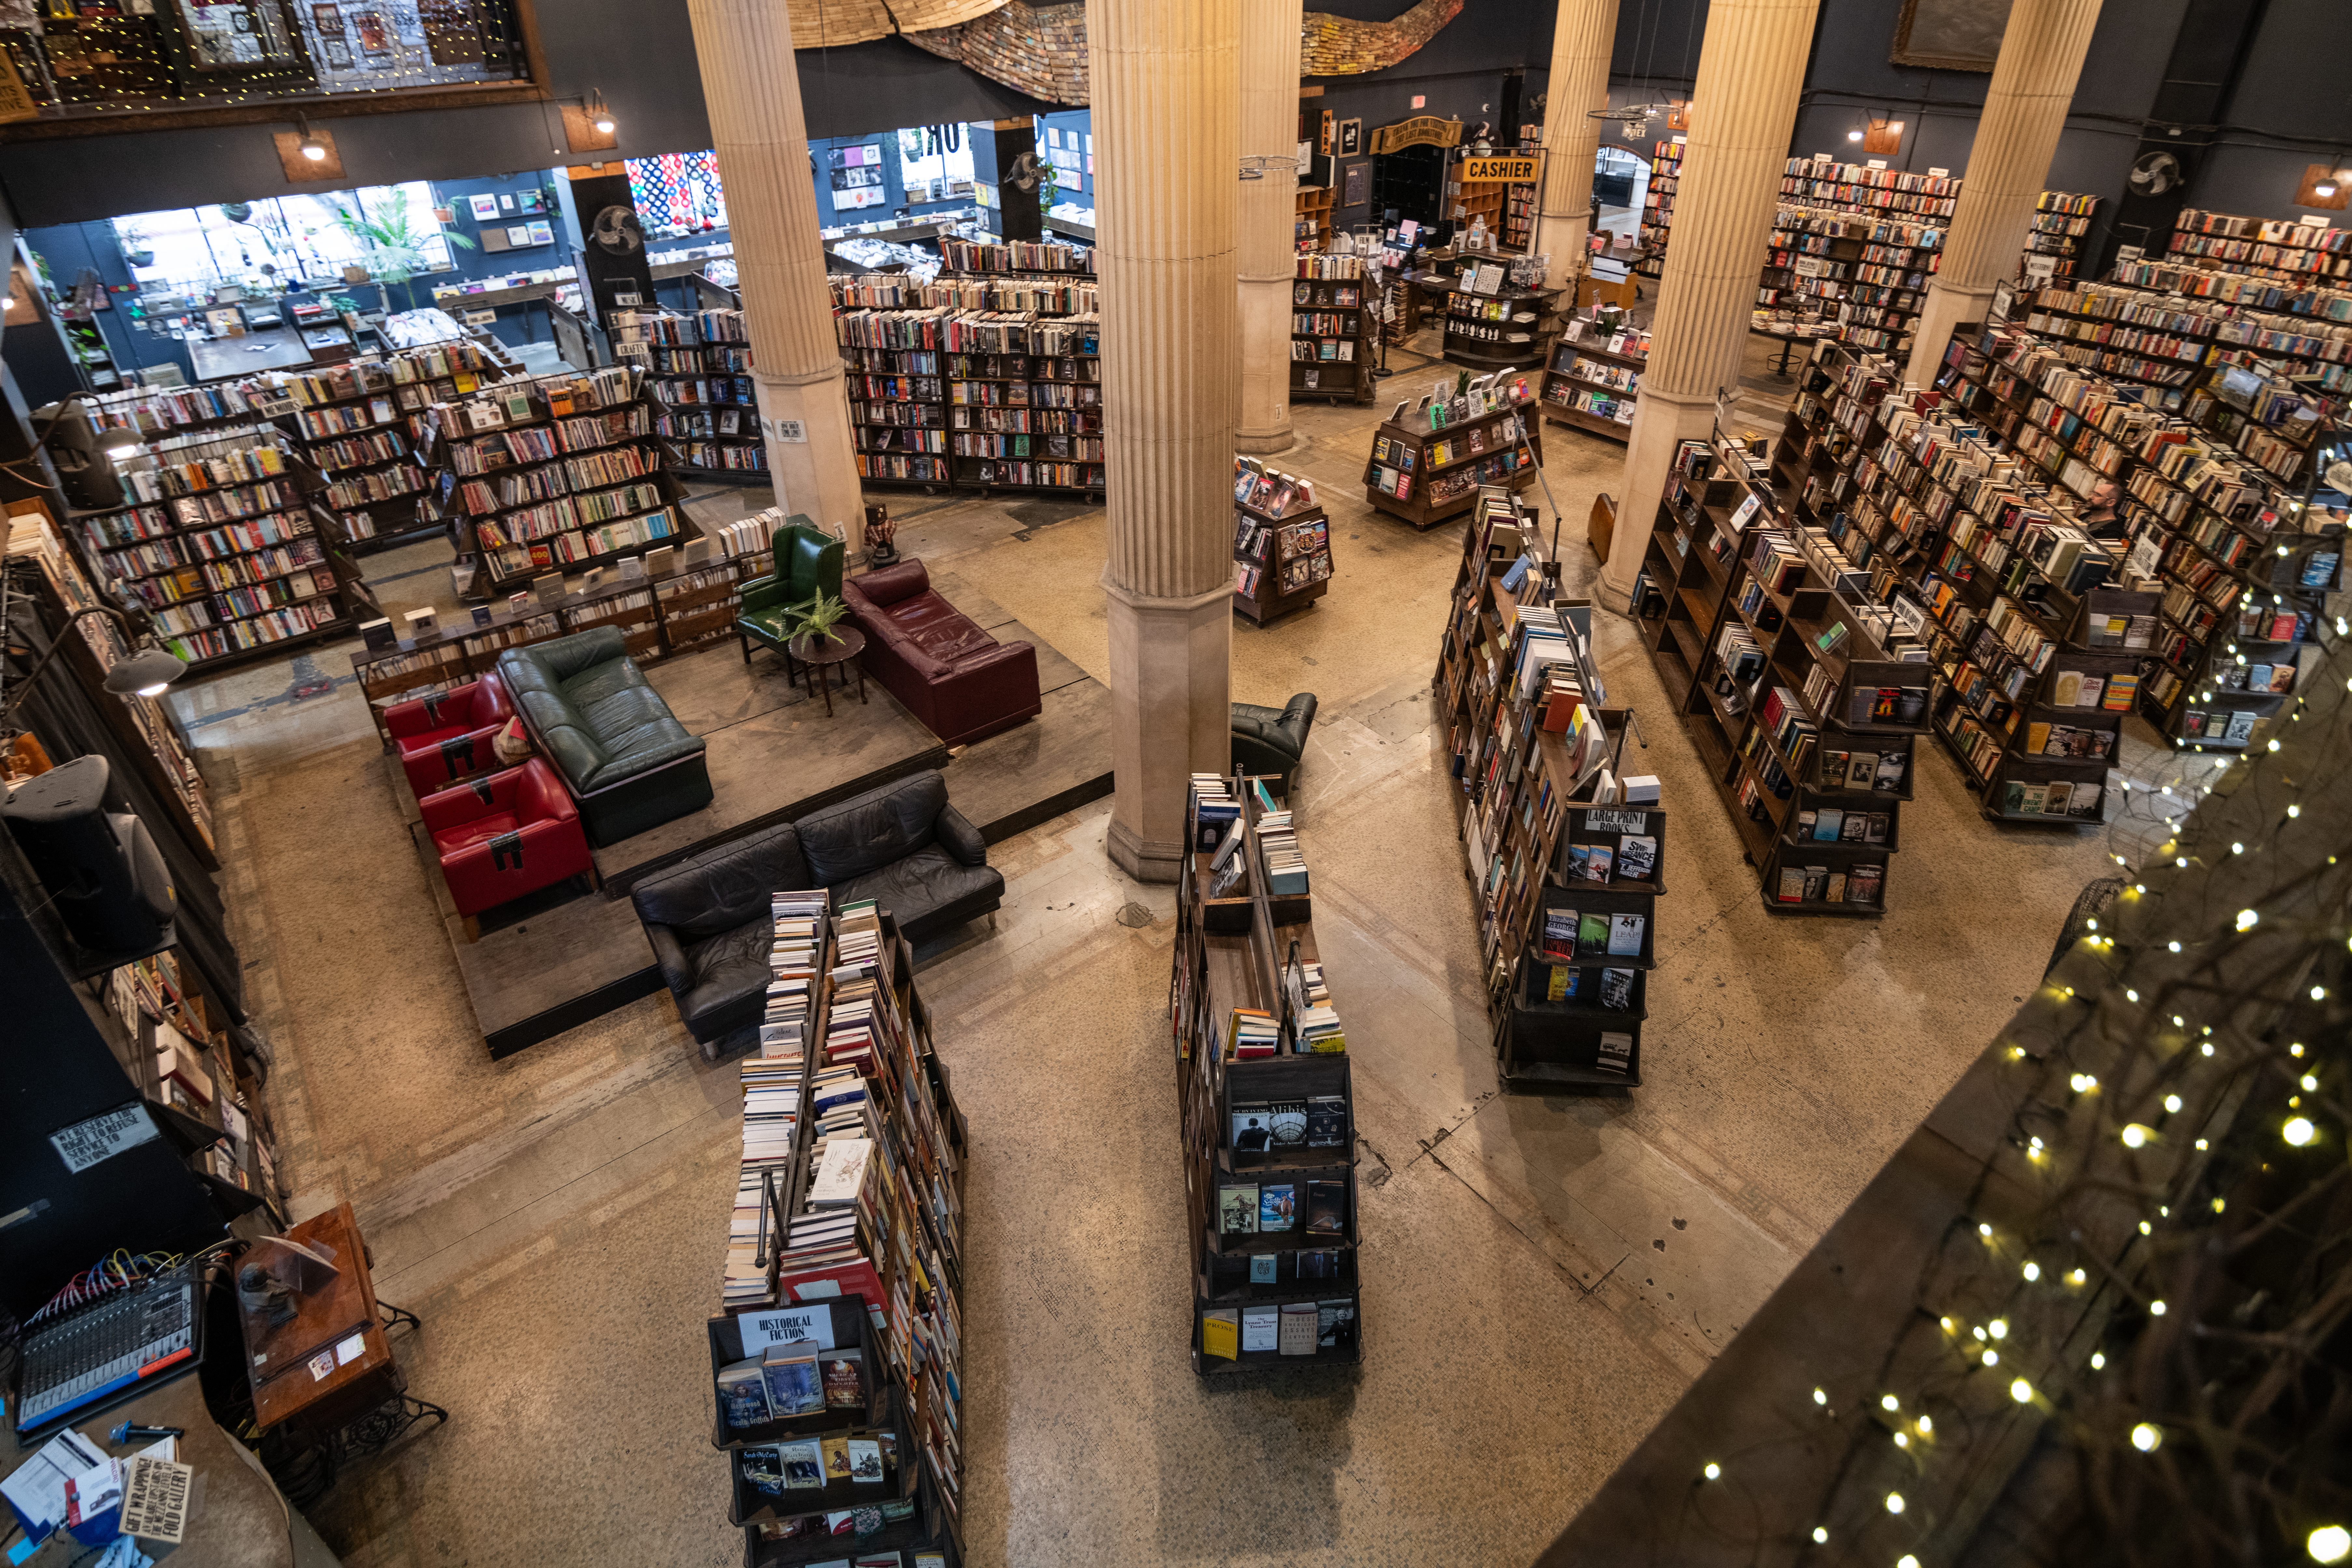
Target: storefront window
271, 242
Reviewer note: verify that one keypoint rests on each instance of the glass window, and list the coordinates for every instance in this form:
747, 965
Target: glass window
262, 244
677, 194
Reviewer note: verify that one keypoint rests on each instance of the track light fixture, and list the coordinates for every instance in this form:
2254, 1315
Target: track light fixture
599, 115
310, 145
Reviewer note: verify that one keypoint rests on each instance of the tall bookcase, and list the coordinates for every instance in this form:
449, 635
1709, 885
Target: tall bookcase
1332, 327
1658, 207
847, 1067
1428, 459
1282, 542
552, 473
2062, 227
2286, 249
1518, 215
1566, 857
1266, 1113
1311, 225
227, 547
2160, 325
1025, 402
1594, 376
697, 369
897, 397
1871, 268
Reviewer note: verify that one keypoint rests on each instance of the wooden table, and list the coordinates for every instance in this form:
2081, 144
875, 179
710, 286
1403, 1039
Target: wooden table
845, 644
226, 359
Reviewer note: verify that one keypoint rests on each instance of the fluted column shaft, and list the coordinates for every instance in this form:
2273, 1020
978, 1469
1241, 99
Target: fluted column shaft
1267, 209
752, 88
1166, 76
1751, 68
1581, 39
2040, 59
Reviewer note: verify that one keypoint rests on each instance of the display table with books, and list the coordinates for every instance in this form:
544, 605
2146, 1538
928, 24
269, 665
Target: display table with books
1430, 457
1281, 541
1263, 1096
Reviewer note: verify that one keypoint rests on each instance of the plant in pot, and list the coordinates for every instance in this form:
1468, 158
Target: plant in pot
137, 248
392, 246
823, 614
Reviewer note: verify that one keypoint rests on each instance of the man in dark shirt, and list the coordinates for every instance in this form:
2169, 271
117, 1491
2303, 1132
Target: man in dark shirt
2099, 517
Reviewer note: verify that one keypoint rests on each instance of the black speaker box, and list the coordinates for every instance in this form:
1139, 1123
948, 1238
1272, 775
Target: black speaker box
103, 872
85, 472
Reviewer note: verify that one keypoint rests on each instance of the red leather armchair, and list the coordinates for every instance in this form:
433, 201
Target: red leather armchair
504, 836
960, 681
447, 738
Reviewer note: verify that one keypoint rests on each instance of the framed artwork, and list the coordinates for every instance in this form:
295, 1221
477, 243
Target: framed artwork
530, 201
485, 208
373, 37
328, 18
1356, 184
1352, 138
1950, 35
339, 53
518, 236
542, 233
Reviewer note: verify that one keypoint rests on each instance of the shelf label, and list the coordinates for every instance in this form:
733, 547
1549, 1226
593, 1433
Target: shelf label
762, 1331
784, 430
86, 1143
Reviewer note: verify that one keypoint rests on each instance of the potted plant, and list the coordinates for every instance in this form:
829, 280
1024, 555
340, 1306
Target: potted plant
393, 249
137, 248
824, 612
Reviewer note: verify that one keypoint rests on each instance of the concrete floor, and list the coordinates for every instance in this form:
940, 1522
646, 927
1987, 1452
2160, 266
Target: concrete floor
1542, 1277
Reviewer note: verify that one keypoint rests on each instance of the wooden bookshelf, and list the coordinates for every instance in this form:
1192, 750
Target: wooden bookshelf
1546, 829
2286, 249
897, 397
1285, 555
228, 548
697, 369
1312, 225
1658, 207
1519, 215
1504, 330
1868, 267
2062, 228
1024, 402
1594, 377
1333, 323
1241, 945
1469, 201
684, 608
1428, 460
2126, 333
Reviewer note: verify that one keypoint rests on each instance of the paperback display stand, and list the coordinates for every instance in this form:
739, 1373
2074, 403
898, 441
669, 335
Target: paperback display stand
1263, 1096
1567, 855
1281, 540
836, 1363
1594, 378
1429, 459
1332, 331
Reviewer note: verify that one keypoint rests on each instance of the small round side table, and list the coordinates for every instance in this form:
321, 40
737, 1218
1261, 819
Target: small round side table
818, 655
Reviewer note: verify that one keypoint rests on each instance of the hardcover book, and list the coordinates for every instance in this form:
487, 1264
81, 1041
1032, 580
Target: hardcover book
796, 1388
1277, 1206
1327, 1122
1300, 1329
845, 1380
1327, 1209
1252, 1133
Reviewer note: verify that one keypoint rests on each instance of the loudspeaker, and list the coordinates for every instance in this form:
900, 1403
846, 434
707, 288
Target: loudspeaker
104, 872
85, 472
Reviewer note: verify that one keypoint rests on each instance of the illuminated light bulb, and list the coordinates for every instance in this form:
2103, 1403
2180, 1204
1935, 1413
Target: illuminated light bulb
2248, 919
2274, 746
2146, 1437
2139, 887
1985, 1231
2179, 1022
1946, 1322
2131, 995
2329, 1543
2237, 850
2175, 946
2155, 1308
1712, 1471
1888, 1402
1856, 136
2032, 1272
1821, 1536
2000, 1326
2310, 1083
1978, 1332
2294, 811
1901, 1441
2319, 992
1992, 1358
2295, 1049
2299, 1131
2207, 1048
2217, 1205
1907, 1561
2022, 1391
2076, 1278
2145, 1229
2034, 1144
1926, 1426
1820, 1397
2172, 1103
2135, 1136
2200, 1145
1894, 1503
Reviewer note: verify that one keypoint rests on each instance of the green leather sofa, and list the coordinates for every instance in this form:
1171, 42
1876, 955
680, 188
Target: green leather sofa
626, 761
808, 563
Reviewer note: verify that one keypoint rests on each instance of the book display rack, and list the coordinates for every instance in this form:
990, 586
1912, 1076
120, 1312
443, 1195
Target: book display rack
1475, 202
181, 410
1518, 216
224, 543
2286, 250
663, 607
1567, 858
1332, 322
972, 257
554, 471
837, 1358
1312, 225
1491, 324
1594, 376
699, 370
1265, 1099
2035, 657
1803, 696
2228, 525
898, 399
1658, 207
1868, 268
360, 421
1429, 459
1282, 542
2061, 224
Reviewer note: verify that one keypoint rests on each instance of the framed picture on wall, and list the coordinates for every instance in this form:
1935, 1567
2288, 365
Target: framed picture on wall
530, 201
339, 53
485, 208
1950, 35
1355, 183
328, 18
1352, 138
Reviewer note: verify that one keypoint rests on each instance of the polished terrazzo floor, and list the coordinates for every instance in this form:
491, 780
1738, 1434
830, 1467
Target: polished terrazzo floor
1542, 1276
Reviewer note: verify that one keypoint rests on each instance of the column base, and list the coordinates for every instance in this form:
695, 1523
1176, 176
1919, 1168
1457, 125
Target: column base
1270, 443
1171, 716
1662, 421
816, 475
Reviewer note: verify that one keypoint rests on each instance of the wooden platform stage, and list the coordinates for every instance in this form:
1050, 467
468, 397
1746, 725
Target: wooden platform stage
552, 962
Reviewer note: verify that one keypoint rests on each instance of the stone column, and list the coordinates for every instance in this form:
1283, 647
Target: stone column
752, 88
2025, 108
1581, 40
1166, 76
1743, 110
1267, 213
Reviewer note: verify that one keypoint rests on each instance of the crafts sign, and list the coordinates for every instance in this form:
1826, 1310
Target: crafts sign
1519, 169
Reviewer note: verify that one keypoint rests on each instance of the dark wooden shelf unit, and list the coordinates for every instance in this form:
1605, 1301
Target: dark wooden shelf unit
1590, 360
1486, 437
1331, 305
1285, 557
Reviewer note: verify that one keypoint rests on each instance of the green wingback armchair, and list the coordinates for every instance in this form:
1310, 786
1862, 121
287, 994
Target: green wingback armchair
808, 563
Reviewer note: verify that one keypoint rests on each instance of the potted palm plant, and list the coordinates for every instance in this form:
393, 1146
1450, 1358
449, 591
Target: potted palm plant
824, 612
393, 248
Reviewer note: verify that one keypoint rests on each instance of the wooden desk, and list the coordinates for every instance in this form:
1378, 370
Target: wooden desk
332, 1364
227, 358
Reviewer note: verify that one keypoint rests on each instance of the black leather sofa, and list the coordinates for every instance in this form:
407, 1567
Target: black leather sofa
628, 762
902, 846
1272, 739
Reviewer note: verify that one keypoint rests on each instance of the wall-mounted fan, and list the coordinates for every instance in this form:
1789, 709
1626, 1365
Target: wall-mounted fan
2155, 174
617, 230
1026, 174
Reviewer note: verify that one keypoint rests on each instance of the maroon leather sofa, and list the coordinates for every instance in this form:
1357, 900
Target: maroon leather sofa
960, 681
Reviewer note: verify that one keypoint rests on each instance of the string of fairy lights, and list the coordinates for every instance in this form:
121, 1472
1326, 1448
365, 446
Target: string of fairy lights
2021, 1312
